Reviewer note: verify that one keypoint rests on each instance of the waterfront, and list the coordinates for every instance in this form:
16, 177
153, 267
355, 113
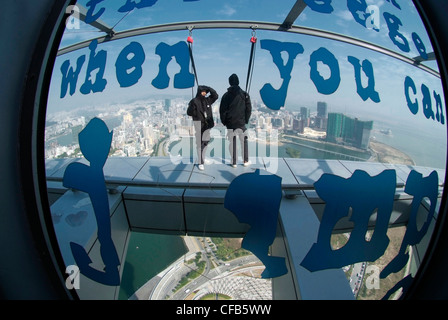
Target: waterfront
295, 147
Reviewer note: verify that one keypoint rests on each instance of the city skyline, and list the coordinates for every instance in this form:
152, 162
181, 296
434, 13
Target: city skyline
215, 59
150, 120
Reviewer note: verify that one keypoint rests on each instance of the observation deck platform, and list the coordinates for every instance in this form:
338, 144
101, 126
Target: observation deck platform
172, 196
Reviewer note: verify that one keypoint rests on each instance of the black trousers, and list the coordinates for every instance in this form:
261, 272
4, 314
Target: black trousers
202, 141
232, 135
201, 147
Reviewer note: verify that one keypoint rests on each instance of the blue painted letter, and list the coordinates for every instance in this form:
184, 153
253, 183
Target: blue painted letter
95, 141
409, 83
368, 92
420, 188
364, 196
393, 23
123, 64
275, 99
255, 199
330, 85
183, 79
70, 77
323, 7
96, 61
90, 17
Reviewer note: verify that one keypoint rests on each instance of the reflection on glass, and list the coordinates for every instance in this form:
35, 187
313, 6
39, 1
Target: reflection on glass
312, 98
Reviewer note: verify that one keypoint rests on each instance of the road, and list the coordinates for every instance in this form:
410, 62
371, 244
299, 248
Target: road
171, 277
357, 276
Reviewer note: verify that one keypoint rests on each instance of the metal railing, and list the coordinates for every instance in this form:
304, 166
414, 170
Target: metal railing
224, 24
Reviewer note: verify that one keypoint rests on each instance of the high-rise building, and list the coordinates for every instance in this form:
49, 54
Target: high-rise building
304, 112
167, 105
321, 109
352, 131
334, 127
321, 118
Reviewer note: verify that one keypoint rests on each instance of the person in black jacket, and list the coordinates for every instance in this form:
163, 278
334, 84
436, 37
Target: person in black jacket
235, 111
199, 108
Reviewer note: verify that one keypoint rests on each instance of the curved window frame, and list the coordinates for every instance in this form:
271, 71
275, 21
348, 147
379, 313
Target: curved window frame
32, 166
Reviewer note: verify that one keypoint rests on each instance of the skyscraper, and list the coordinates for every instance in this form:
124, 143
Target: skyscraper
321, 109
334, 127
321, 118
167, 105
352, 131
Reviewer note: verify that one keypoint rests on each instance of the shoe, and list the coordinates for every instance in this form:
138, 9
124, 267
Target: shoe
247, 163
207, 161
201, 167
233, 165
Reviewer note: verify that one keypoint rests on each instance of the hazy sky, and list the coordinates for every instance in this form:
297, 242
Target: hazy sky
218, 53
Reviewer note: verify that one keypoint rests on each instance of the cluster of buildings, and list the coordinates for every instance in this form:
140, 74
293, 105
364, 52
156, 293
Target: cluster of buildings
139, 126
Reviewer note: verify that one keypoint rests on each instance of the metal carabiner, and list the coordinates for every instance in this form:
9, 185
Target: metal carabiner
253, 39
190, 38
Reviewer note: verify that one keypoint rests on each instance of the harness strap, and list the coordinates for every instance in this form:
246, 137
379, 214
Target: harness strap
190, 49
250, 68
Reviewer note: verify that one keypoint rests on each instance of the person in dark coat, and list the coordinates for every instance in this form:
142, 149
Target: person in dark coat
235, 111
199, 108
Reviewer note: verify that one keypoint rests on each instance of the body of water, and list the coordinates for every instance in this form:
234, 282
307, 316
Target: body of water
426, 148
147, 255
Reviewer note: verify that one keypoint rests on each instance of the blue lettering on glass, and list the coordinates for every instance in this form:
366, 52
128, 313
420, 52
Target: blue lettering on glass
363, 14
394, 2
439, 116
420, 188
330, 85
403, 284
409, 84
272, 98
182, 80
394, 23
322, 6
427, 106
128, 6
426, 101
374, 195
70, 77
97, 61
254, 199
123, 64
94, 142
90, 17
369, 91
131, 5
275, 99
420, 46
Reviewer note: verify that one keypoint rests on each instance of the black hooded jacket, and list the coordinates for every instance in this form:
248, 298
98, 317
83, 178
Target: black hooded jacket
200, 109
235, 108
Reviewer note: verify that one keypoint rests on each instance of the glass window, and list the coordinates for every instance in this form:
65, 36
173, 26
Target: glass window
334, 89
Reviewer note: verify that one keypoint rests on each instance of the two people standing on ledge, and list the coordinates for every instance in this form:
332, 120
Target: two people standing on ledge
235, 111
